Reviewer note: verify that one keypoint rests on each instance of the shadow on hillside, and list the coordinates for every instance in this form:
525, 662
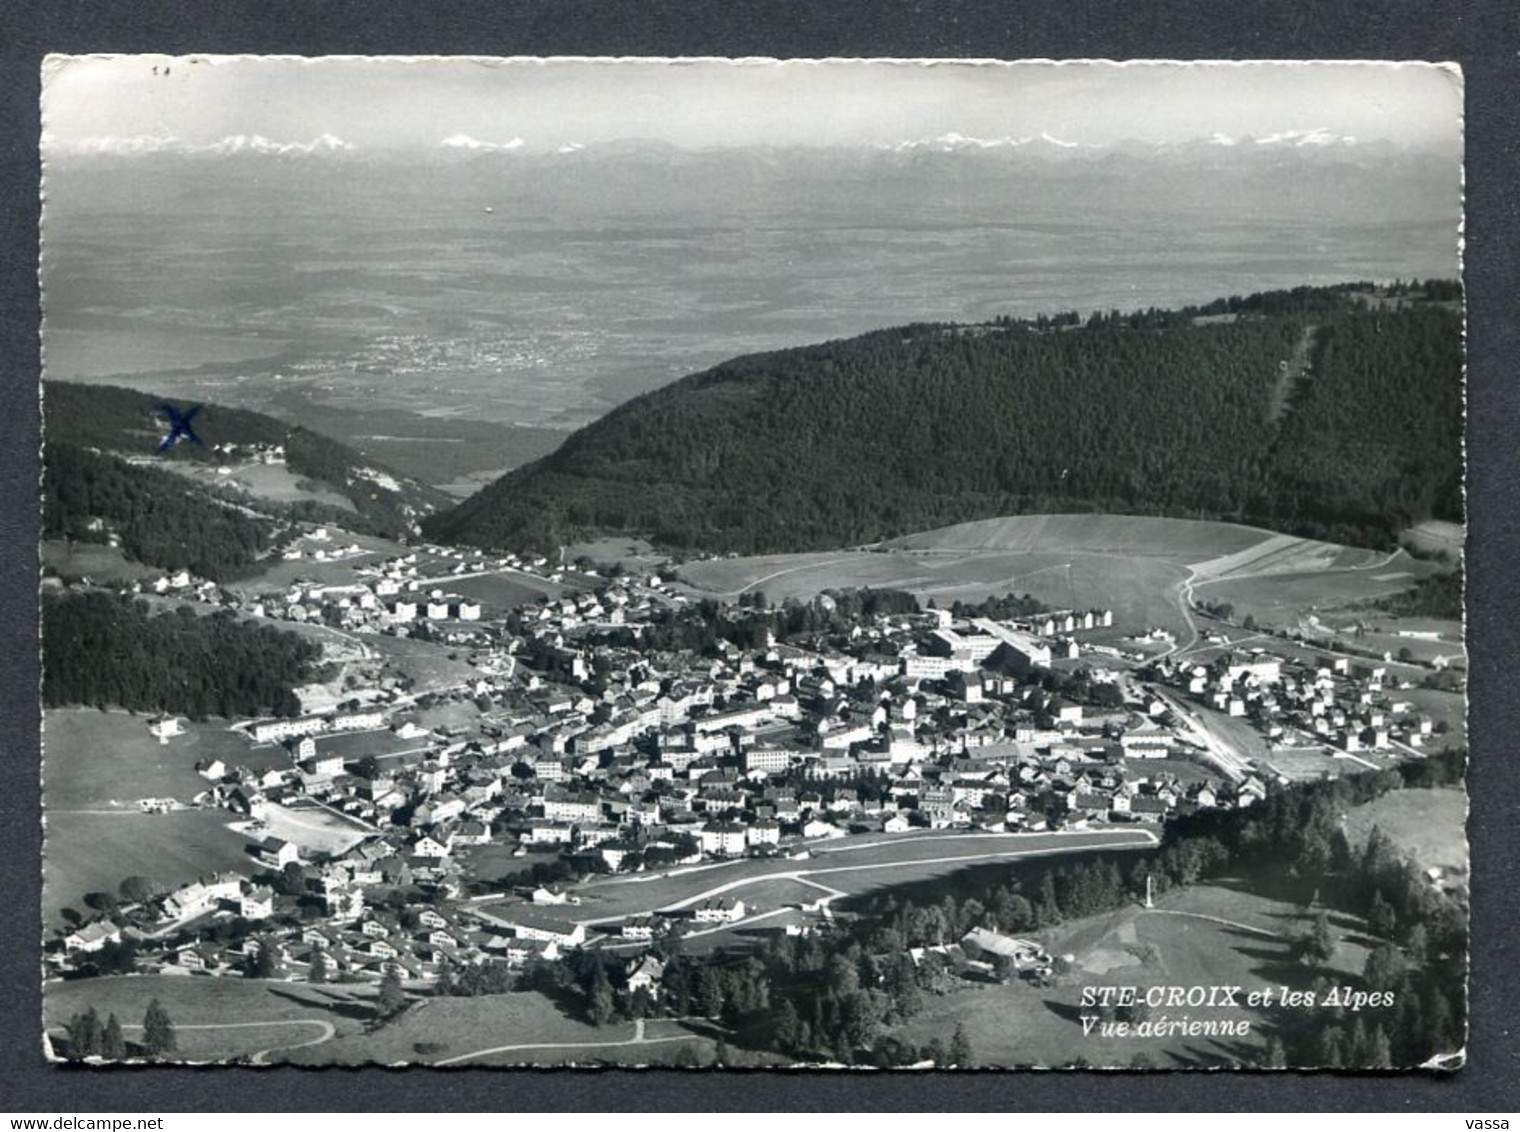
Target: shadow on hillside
341, 1005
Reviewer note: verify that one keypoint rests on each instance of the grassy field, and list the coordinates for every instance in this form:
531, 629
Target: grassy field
426, 663
195, 1001
280, 573
848, 865
107, 759
502, 593
1141, 535
1436, 537
1184, 769
1133, 565
1174, 945
1428, 825
448, 1028
274, 482
1141, 592
1283, 598
94, 852
1450, 707
636, 555
103, 565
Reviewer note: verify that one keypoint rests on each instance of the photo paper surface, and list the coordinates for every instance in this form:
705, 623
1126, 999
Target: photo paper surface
747, 563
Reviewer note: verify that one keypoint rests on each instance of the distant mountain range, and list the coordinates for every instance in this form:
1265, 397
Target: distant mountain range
1041, 144
1333, 413
1303, 174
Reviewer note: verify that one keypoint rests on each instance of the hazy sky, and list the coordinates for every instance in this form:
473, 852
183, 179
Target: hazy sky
382, 103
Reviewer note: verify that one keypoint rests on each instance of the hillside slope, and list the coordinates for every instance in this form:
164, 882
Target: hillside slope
1172, 413
336, 482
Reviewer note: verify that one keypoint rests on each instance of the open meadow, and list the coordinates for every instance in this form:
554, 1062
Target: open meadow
101, 564
216, 1019
107, 760
1429, 826
500, 593
1137, 566
432, 667
522, 1028
275, 483
94, 851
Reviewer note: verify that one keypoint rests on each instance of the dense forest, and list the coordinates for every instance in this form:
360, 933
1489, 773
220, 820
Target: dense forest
1325, 412
1439, 595
163, 520
839, 996
102, 650
112, 419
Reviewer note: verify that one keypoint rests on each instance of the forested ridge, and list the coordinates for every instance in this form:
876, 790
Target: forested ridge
105, 650
115, 420
162, 519
1158, 412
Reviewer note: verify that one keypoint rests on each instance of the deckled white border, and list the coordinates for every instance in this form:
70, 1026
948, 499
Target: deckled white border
54, 63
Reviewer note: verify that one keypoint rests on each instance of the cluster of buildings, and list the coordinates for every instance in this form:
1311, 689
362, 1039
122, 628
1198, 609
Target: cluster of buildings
596, 751
1337, 702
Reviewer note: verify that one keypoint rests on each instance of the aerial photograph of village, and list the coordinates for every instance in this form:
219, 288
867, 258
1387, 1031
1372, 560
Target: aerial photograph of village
722, 564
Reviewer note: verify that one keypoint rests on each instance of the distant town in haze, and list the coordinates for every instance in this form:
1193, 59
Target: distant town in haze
614, 580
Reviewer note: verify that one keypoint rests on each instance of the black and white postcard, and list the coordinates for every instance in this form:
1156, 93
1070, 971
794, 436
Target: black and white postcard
735, 563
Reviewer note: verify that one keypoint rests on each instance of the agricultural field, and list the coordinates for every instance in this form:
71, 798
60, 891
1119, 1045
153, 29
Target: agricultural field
451, 1030
1379, 632
103, 565
1205, 936
1283, 599
93, 851
274, 482
848, 866
1428, 825
107, 759
1435, 537
634, 554
1310, 763
500, 593
1141, 592
215, 1019
1135, 565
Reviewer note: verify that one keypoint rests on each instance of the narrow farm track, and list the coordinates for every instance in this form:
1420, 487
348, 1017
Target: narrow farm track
638, 1039
1214, 920
328, 1032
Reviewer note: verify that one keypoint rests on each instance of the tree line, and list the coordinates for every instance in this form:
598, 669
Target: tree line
162, 519
850, 442
104, 650
840, 996
112, 419
89, 1037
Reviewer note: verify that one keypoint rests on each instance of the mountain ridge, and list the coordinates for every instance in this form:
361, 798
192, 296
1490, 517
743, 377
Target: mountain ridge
848, 442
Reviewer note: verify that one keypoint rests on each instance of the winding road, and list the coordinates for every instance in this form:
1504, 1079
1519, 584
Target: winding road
638, 1039
1136, 838
328, 1032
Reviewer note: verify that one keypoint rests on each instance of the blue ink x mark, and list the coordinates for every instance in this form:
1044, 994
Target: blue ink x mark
179, 426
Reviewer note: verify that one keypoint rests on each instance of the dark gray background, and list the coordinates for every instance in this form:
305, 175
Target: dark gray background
1483, 36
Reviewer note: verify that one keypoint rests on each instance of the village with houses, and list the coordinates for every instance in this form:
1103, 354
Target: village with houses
624, 732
